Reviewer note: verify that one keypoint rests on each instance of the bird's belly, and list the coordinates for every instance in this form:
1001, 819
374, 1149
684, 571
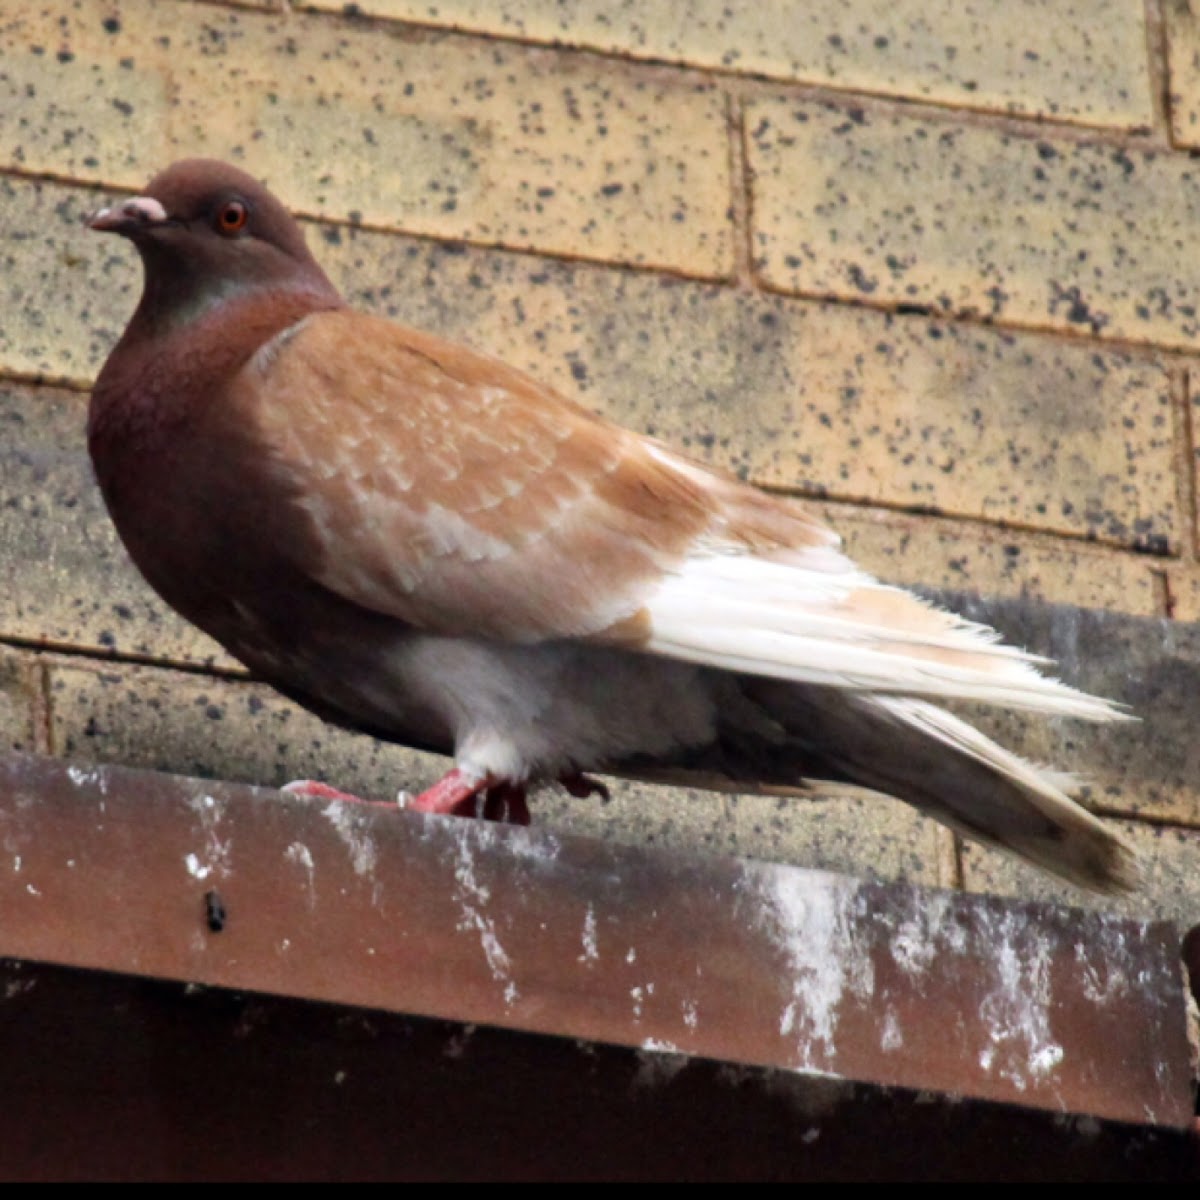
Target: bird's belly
522, 712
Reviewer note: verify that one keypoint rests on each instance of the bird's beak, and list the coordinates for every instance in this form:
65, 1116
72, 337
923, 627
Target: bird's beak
129, 218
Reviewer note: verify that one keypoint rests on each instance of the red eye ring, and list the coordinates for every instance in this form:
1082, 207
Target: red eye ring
232, 218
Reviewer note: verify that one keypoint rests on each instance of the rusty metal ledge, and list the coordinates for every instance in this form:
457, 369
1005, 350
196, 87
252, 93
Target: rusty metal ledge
684, 989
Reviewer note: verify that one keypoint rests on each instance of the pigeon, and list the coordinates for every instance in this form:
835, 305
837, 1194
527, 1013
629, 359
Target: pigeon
414, 540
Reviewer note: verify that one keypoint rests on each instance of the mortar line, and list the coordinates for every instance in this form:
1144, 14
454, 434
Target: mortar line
1186, 459
1159, 67
741, 207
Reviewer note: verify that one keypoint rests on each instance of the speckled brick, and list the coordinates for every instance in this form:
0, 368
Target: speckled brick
1148, 767
441, 136
84, 87
838, 401
869, 204
64, 576
189, 724
861, 835
219, 728
839, 830
1183, 582
1182, 22
17, 701
65, 295
1170, 888
959, 556
1083, 61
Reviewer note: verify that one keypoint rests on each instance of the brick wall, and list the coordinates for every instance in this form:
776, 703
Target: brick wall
928, 264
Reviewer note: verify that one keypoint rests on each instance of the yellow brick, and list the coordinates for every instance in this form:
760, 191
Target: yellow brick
1049, 434
830, 830
840, 830
66, 296
190, 725
870, 205
1170, 890
17, 702
439, 136
1184, 584
1076, 61
1183, 59
966, 557
78, 99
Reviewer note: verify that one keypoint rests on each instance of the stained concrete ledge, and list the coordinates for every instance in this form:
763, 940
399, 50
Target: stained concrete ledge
748, 984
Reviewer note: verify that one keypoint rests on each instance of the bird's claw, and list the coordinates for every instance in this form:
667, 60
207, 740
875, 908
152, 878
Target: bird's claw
582, 786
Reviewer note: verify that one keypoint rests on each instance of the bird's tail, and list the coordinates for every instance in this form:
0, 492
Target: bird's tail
929, 758
937, 762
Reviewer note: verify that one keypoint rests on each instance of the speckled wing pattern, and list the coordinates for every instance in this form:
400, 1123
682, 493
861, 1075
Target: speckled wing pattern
456, 494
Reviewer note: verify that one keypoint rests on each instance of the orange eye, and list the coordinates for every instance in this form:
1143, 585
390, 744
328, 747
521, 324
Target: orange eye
232, 218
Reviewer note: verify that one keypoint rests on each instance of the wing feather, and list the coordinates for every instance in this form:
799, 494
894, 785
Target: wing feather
450, 491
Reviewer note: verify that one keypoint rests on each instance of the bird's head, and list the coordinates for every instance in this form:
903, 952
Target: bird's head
207, 231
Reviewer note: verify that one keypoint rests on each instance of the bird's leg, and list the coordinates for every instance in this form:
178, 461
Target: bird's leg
464, 795
581, 785
455, 792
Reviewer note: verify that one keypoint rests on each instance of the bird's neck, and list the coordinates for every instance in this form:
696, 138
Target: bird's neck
181, 290
167, 307
164, 366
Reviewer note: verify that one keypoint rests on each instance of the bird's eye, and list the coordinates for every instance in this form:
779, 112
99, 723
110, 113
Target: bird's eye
232, 218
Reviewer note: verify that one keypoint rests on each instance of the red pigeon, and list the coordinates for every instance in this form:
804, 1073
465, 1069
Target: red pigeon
414, 540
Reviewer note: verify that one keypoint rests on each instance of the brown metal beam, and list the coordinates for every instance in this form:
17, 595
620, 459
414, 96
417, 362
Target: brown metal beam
803, 996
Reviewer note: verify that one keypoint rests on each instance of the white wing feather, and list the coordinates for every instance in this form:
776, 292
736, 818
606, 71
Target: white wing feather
812, 617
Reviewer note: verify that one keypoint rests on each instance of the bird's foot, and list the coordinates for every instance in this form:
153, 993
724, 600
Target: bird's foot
582, 786
322, 791
463, 795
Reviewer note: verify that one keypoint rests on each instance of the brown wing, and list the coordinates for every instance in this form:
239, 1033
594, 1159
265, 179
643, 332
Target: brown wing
462, 497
